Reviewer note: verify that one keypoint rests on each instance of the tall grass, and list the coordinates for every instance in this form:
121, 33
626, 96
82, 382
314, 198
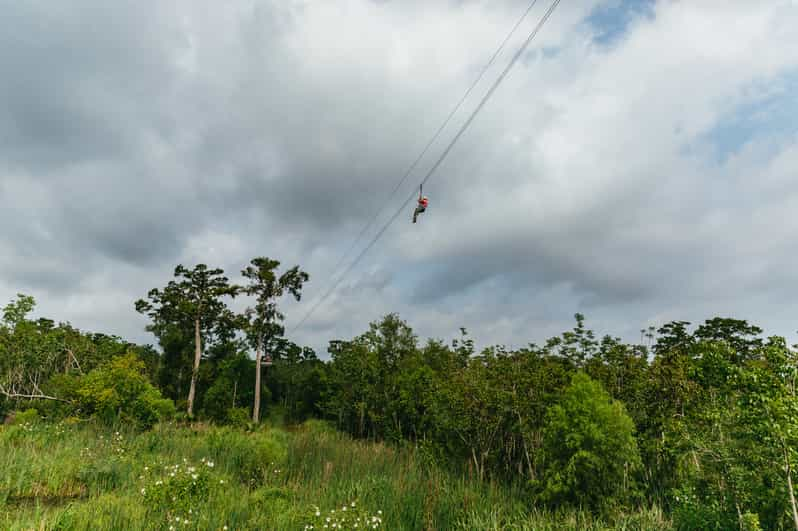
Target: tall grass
87, 477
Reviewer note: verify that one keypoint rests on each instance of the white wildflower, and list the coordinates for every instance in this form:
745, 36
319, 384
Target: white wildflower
143, 492
193, 476
318, 513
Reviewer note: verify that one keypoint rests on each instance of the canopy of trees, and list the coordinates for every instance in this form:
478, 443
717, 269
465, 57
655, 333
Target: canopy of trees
703, 422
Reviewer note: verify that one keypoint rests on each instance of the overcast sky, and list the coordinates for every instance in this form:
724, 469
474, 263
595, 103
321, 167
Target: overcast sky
638, 165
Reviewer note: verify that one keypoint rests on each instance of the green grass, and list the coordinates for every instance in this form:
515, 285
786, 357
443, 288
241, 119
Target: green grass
86, 477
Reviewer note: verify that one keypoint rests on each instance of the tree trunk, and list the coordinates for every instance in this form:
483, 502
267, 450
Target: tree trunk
194, 373
788, 469
256, 408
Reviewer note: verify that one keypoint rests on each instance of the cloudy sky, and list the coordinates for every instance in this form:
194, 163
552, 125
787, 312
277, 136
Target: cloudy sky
638, 165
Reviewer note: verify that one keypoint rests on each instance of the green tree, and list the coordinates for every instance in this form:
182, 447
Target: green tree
232, 387
769, 412
194, 300
589, 449
264, 318
30, 352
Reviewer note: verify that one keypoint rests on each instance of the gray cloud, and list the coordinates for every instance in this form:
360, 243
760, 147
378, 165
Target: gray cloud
140, 135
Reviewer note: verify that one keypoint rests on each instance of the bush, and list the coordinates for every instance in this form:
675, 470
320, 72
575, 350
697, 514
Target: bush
119, 391
251, 457
238, 417
589, 450
29, 416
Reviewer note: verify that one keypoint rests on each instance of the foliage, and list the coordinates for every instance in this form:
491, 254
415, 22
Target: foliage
701, 422
29, 416
179, 490
349, 515
119, 391
589, 449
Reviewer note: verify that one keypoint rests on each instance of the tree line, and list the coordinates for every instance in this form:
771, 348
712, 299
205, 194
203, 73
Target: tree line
702, 422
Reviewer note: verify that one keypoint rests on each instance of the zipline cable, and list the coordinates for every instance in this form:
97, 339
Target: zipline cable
434, 137
439, 161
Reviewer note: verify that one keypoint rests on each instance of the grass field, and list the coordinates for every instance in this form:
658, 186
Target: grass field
78, 476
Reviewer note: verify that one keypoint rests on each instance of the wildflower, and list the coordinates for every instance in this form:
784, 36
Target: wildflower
193, 476
328, 519
224, 528
318, 513
143, 492
221, 482
379, 512
343, 508
353, 504
146, 468
210, 464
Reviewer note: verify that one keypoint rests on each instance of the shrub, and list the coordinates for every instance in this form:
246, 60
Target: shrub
251, 457
29, 416
119, 391
589, 449
238, 417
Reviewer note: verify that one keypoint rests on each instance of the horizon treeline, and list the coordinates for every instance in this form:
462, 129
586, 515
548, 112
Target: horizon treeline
701, 421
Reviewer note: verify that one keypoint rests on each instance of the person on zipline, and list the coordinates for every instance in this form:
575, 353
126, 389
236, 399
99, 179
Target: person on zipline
422, 206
